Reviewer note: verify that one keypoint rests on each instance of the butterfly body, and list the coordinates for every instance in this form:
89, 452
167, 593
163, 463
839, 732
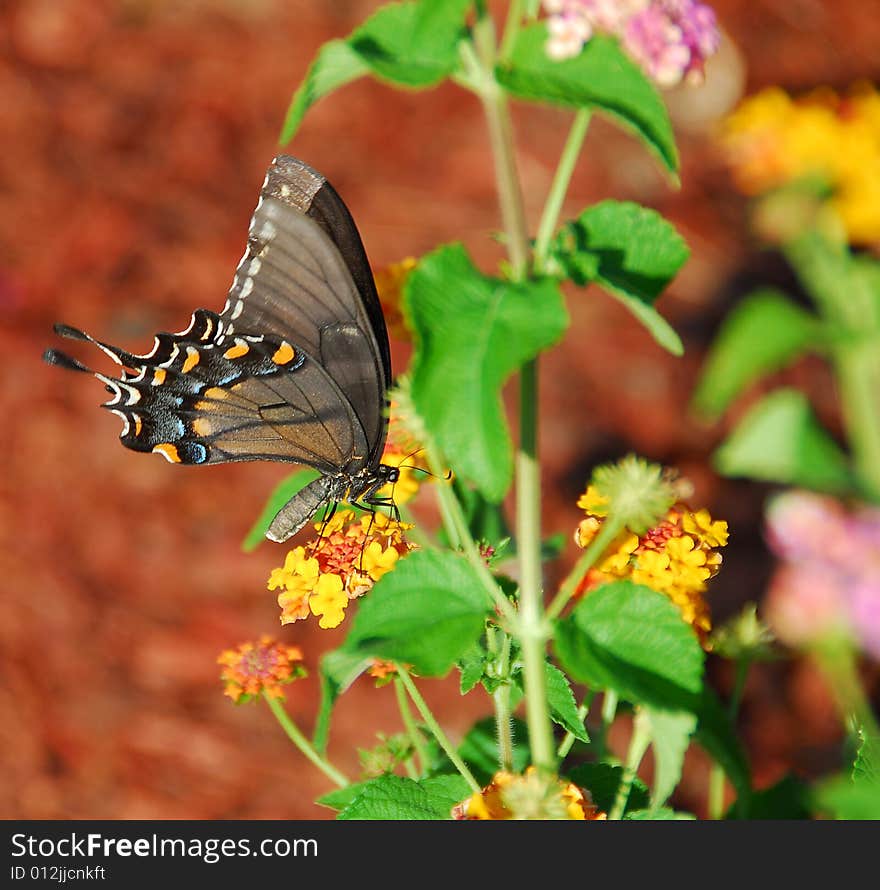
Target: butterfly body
295, 368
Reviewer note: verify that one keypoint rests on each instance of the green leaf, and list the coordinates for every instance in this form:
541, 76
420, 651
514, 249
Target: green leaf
866, 766
426, 613
780, 440
845, 798
479, 749
663, 814
340, 798
600, 77
632, 252
670, 736
337, 671
716, 735
787, 799
412, 44
471, 665
563, 707
472, 332
602, 781
764, 333
633, 640
396, 797
282, 493
335, 65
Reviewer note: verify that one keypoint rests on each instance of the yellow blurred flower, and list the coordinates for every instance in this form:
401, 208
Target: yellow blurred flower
772, 140
390, 281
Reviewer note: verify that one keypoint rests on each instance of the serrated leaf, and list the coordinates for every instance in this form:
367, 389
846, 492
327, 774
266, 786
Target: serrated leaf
661, 814
762, 334
412, 44
780, 440
282, 493
670, 736
630, 251
426, 613
479, 749
563, 707
866, 766
340, 798
395, 797
633, 640
335, 65
472, 332
337, 671
602, 781
600, 77
471, 665
843, 798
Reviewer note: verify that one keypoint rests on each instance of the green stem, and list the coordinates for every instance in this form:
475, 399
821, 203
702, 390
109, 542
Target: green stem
858, 374
301, 742
838, 660
432, 724
511, 29
532, 629
497, 115
532, 626
409, 723
457, 529
568, 740
501, 697
610, 529
638, 745
716, 777
559, 187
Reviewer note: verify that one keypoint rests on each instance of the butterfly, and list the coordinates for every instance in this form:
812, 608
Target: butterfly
295, 368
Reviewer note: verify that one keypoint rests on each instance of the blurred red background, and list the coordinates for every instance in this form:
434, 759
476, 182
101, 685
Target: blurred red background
135, 137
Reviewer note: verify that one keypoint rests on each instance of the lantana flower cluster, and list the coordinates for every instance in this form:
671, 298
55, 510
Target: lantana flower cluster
677, 557
342, 563
670, 39
529, 796
262, 667
828, 583
774, 139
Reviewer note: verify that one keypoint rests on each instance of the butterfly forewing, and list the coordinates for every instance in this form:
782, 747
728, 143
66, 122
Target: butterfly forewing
294, 278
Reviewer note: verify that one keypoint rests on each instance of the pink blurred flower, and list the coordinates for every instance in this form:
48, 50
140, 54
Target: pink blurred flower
653, 39
829, 579
670, 39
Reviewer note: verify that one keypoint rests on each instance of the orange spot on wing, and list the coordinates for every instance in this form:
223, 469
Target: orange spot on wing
168, 451
159, 376
284, 354
192, 359
237, 351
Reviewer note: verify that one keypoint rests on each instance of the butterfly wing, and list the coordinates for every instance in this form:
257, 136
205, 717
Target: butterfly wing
305, 276
215, 398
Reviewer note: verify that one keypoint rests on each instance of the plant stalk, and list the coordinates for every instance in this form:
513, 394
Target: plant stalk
301, 742
431, 722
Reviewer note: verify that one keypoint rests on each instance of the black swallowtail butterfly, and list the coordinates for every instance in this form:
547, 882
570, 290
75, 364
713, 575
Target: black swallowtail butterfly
295, 368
